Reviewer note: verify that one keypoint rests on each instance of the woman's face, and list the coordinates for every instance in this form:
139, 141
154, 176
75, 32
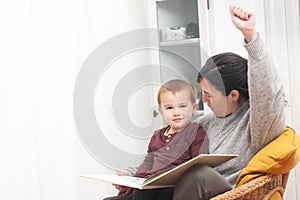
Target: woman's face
219, 104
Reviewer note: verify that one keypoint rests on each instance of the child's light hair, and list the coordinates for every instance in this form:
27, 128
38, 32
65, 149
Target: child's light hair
178, 85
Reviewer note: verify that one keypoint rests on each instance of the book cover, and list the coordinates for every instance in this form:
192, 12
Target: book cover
166, 178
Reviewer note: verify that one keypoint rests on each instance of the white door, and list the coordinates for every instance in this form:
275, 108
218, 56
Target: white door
115, 105
115, 93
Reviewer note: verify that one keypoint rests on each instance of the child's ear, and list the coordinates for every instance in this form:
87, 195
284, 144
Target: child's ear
160, 110
195, 107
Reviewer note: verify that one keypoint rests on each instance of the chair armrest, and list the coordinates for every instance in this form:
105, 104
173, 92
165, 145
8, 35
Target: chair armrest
258, 188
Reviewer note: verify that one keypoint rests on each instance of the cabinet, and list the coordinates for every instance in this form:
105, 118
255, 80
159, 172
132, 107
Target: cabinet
183, 57
181, 53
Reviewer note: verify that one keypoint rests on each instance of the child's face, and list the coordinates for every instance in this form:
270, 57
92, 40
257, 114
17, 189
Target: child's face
177, 110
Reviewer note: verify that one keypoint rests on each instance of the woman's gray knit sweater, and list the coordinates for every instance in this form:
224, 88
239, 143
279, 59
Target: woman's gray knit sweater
256, 123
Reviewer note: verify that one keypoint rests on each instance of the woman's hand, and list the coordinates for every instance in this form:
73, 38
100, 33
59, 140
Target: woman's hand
245, 21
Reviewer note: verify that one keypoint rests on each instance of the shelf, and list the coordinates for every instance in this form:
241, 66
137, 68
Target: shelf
193, 41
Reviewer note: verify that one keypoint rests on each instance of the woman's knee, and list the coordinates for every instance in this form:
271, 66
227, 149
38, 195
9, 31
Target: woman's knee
200, 182
198, 172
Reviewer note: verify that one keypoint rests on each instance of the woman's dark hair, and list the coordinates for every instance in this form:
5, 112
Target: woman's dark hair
226, 72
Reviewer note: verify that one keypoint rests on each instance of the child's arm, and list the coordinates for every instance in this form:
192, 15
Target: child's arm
145, 166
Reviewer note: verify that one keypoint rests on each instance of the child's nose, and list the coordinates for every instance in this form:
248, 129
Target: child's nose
177, 111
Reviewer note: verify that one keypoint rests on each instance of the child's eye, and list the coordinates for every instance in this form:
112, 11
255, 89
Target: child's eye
182, 106
169, 108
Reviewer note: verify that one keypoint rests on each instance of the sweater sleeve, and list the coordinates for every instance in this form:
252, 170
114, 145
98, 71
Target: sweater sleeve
266, 95
145, 166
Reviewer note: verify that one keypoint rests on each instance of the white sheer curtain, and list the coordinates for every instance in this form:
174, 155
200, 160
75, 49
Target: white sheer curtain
284, 41
38, 68
42, 46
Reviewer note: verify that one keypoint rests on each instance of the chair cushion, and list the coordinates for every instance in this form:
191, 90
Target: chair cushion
278, 157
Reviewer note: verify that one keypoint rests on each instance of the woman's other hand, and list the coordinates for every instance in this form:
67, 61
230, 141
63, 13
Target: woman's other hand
245, 21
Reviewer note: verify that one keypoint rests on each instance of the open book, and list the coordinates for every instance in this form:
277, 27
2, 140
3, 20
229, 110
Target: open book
166, 178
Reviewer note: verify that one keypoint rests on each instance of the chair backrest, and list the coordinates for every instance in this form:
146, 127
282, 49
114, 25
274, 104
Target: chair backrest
285, 178
266, 175
278, 157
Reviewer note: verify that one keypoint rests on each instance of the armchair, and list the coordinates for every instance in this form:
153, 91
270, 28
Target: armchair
266, 175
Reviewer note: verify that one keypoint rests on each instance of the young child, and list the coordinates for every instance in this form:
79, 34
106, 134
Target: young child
174, 144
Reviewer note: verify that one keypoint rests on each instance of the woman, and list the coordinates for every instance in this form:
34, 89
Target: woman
247, 101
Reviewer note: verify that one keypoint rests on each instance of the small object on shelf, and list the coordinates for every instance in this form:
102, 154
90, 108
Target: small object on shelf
173, 33
192, 30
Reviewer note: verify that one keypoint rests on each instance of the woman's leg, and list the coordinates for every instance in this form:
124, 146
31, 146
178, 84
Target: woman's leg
200, 182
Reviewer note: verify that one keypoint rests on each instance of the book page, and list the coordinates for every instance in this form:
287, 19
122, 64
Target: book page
128, 181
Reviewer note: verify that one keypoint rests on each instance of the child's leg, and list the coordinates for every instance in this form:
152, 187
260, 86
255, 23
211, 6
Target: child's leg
166, 194
151, 194
122, 197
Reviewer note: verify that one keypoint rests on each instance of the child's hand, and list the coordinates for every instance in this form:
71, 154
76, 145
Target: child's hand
122, 189
122, 173
245, 21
